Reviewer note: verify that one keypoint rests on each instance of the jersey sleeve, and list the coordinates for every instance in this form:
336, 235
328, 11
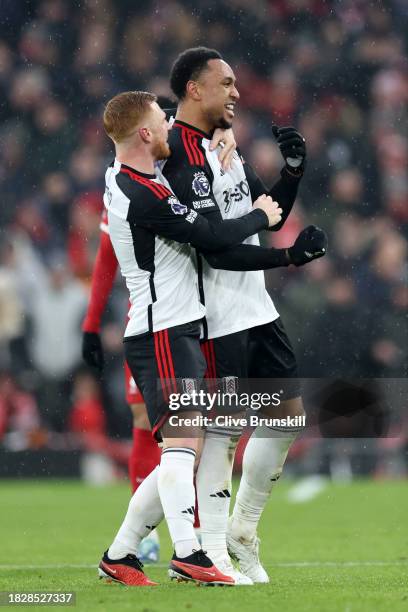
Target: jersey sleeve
190, 175
157, 209
246, 257
103, 276
192, 184
284, 191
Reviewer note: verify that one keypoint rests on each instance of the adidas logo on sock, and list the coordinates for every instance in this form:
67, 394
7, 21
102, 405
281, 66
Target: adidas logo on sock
188, 511
224, 493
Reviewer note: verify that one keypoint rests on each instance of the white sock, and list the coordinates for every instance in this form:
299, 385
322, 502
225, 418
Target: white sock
177, 494
262, 465
144, 513
213, 482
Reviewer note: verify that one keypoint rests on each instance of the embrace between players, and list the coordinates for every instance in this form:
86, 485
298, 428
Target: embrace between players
184, 231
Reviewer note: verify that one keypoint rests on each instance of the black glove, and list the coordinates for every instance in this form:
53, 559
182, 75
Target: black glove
310, 244
92, 351
292, 145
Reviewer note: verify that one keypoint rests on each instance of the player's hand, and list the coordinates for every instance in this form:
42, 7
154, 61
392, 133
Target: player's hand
292, 145
92, 351
227, 142
271, 208
310, 244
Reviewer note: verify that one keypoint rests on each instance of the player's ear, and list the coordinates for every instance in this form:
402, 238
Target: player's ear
193, 90
145, 134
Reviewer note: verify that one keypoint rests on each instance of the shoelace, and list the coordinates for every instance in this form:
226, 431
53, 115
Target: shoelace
137, 562
201, 554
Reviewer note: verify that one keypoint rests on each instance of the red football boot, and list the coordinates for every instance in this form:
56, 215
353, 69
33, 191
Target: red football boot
199, 568
128, 571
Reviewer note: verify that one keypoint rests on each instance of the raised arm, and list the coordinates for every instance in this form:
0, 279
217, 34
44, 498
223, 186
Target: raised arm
293, 148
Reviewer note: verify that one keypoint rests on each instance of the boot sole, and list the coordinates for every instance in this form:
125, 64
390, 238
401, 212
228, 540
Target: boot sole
174, 575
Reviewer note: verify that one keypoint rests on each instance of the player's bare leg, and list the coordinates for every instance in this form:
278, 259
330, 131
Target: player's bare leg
262, 465
139, 416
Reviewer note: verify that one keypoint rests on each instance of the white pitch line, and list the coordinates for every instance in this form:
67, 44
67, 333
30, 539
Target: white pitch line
164, 565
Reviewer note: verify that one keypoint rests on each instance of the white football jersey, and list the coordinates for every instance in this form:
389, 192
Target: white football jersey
160, 273
234, 300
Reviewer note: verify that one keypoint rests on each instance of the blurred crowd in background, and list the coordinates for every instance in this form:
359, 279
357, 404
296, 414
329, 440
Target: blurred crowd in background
337, 70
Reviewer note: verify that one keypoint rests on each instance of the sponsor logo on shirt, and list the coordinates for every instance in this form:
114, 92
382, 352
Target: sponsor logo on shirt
177, 207
201, 185
203, 203
235, 194
192, 216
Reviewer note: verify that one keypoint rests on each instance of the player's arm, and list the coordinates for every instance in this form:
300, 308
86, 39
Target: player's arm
103, 276
310, 244
246, 257
284, 191
292, 146
192, 185
169, 218
224, 139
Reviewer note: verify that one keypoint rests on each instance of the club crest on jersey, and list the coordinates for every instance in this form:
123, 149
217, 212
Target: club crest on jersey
200, 184
177, 207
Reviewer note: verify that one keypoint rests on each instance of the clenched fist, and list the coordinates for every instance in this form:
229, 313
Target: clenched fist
271, 208
310, 244
292, 145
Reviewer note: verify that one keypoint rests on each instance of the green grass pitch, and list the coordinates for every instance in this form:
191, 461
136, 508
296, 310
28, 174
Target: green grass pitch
345, 550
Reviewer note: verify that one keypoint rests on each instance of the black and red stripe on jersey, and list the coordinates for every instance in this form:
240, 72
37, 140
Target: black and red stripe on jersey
148, 181
151, 232
234, 301
191, 139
